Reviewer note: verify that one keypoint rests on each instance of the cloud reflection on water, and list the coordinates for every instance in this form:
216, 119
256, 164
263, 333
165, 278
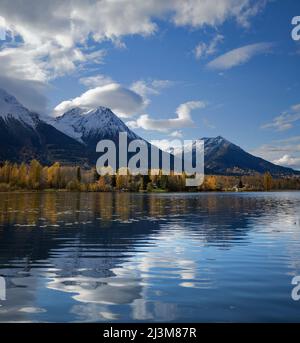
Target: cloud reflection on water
166, 257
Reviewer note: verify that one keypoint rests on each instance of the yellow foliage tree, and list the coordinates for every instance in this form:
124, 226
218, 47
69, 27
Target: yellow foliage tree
211, 183
35, 174
268, 181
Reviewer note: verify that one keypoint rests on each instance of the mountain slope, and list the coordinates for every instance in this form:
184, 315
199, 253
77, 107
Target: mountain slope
224, 157
72, 139
24, 136
91, 126
12, 110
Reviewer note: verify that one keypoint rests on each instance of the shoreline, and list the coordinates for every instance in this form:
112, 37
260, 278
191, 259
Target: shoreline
145, 192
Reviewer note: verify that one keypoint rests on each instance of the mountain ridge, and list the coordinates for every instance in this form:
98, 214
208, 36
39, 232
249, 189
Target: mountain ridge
72, 139
226, 158
90, 126
25, 136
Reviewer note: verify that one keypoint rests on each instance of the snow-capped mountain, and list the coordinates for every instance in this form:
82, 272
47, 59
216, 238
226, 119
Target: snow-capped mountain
224, 157
89, 127
11, 109
24, 136
72, 138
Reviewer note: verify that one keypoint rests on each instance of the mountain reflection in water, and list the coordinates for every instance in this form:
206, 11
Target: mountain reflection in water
149, 257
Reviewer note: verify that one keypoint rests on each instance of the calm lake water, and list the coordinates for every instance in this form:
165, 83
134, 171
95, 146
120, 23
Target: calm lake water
73, 257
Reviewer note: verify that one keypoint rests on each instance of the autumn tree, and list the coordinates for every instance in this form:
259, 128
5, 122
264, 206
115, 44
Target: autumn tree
35, 174
14, 175
104, 183
268, 181
54, 177
211, 183
23, 175
122, 181
6, 172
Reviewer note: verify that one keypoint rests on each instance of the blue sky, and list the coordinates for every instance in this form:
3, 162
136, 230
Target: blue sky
230, 69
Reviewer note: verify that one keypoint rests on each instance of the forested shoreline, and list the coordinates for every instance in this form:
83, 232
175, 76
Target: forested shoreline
34, 176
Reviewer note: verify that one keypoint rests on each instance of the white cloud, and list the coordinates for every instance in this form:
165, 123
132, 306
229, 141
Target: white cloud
296, 108
183, 119
204, 49
123, 101
132, 124
28, 66
161, 84
285, 152
2, 28
294, 139
72, 20
288, 161
95, 81
53, 35
251, 11
285, 120
45, 62
23, 63
176, 134
29, 93
239, 56
59, 29
166, 144
197, 13
150, 87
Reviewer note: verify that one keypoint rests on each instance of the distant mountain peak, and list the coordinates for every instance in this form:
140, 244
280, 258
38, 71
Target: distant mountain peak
11, 109
75, 111
217, 140
100, 109
24, 135
227, 158
221, 139
79, 111
89, 126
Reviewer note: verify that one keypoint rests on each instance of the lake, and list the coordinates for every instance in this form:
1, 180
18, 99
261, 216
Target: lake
124, 257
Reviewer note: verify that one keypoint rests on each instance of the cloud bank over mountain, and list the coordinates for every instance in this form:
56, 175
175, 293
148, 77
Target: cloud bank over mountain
119, 99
